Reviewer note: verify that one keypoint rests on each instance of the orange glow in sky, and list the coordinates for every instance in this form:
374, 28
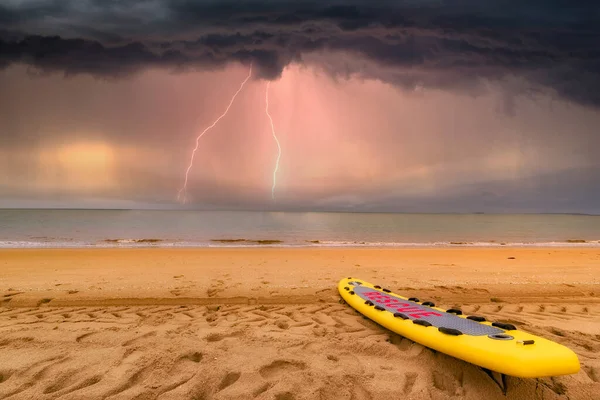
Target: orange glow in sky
79, 166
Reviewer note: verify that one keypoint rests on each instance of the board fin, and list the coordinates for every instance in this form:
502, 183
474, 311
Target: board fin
502, 384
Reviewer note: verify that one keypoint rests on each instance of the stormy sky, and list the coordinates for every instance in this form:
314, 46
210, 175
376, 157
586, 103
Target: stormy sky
416, 106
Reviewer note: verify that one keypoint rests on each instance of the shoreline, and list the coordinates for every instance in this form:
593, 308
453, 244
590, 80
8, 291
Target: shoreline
276, 243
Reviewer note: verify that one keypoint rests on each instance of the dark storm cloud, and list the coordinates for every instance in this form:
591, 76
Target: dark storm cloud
448, 44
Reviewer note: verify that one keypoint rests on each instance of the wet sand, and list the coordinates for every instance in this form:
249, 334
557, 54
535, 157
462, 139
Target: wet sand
266, 323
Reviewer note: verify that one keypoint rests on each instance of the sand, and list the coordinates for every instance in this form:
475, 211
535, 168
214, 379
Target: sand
267, 323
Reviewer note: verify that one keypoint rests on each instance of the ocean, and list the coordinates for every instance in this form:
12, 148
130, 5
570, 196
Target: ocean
33, 228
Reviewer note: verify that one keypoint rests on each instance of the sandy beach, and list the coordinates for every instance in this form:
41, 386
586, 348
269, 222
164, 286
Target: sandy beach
267, 323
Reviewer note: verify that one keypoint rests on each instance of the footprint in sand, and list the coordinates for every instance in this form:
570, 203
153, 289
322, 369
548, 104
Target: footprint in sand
141, 337
66, 382
319, 331
281, 367
360, 393
284, 396
180, 374
215, 288
592, 373
132, 380
217, 337
81, 337
44, 301
282, 324
271, 372
412, 349
409, 382
261, 389
445, 382
212, 317
228, 380
194, 357
4, 376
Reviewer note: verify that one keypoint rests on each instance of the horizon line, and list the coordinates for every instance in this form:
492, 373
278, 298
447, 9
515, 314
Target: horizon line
301, 211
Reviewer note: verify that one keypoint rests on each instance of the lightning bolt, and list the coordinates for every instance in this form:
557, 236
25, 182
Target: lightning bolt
183, 190
276, 141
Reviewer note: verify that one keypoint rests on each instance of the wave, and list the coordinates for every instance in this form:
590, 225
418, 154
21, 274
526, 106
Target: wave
25, 244
128, 241
247, 241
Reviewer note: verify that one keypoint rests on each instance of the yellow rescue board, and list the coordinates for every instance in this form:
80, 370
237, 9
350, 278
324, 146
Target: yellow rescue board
496, 346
